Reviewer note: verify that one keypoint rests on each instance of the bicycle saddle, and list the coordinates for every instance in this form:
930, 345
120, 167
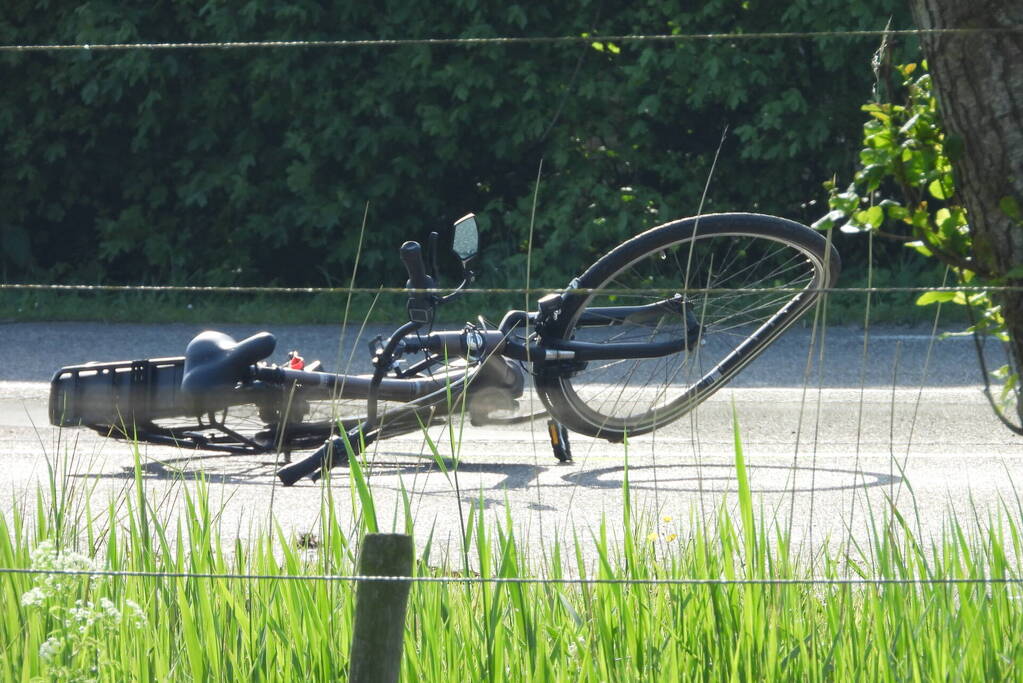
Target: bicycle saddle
215, 362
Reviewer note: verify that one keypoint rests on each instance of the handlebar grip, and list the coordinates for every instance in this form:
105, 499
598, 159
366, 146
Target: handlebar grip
412, 256
318, 460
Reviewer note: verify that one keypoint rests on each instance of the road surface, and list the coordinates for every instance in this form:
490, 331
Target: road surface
828, 439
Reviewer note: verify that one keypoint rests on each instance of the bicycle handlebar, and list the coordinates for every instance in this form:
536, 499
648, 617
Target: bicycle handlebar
412, 256
333, 452
420, 303
289, 474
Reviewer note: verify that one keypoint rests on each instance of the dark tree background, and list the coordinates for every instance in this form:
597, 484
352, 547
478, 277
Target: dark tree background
254, 166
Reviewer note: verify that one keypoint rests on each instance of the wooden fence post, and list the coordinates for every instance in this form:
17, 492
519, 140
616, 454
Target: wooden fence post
380, 606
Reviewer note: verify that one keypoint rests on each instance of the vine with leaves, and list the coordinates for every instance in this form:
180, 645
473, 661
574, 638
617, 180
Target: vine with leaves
904, 189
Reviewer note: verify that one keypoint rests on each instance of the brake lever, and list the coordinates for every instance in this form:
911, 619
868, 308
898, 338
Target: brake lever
431, 253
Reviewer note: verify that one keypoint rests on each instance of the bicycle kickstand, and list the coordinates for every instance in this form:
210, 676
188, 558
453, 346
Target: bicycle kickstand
559, 441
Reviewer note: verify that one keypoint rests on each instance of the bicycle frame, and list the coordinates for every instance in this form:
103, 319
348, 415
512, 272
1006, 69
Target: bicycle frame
475, 345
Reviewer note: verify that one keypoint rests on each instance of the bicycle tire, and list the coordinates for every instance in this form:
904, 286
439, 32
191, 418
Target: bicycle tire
728, 268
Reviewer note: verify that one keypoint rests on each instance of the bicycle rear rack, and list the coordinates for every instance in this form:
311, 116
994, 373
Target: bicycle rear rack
116, 393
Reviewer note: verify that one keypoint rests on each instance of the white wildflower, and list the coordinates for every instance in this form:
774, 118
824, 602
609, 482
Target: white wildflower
33, 597
71, 561
109, 610
50, 648
44, 555
82, 615
135, 612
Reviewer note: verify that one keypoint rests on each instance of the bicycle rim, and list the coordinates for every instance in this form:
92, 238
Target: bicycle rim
744, 279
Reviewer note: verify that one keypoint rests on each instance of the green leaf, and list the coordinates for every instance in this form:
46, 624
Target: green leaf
921, 218
361, 486
920, 248
829, 220
895, 211
950, 221
845, 201
938, 190
928, 298
878, 111
908, 126
871, 218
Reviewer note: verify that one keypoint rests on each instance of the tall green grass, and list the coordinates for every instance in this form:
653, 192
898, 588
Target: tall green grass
483, 625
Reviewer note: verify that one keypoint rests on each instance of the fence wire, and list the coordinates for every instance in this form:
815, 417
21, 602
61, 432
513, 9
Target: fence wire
217, 289
356, 578
513, 40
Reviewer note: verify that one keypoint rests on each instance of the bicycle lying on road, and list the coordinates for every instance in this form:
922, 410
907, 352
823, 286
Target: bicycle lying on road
639, 339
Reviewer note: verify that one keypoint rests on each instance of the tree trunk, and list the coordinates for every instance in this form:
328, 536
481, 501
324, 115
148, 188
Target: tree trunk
980, 95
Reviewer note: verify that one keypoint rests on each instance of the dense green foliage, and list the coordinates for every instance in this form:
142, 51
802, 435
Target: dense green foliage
904, 189
255, 166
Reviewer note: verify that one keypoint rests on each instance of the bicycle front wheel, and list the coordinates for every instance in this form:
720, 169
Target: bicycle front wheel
728, 284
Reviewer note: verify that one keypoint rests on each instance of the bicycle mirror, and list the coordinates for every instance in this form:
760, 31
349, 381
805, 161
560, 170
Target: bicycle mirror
466, 240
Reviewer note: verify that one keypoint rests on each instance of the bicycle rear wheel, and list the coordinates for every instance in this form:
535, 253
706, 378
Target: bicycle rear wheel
731, 283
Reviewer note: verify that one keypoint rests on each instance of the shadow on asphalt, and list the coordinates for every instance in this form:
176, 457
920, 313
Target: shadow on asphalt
677, 478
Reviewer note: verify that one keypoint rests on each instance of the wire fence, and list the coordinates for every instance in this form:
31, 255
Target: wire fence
517, 580
228, 289
515, 40
528, 291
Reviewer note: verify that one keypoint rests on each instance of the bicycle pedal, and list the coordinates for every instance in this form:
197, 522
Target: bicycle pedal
559, 441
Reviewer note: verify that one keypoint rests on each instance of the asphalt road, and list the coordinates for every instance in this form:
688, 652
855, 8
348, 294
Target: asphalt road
828, 442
